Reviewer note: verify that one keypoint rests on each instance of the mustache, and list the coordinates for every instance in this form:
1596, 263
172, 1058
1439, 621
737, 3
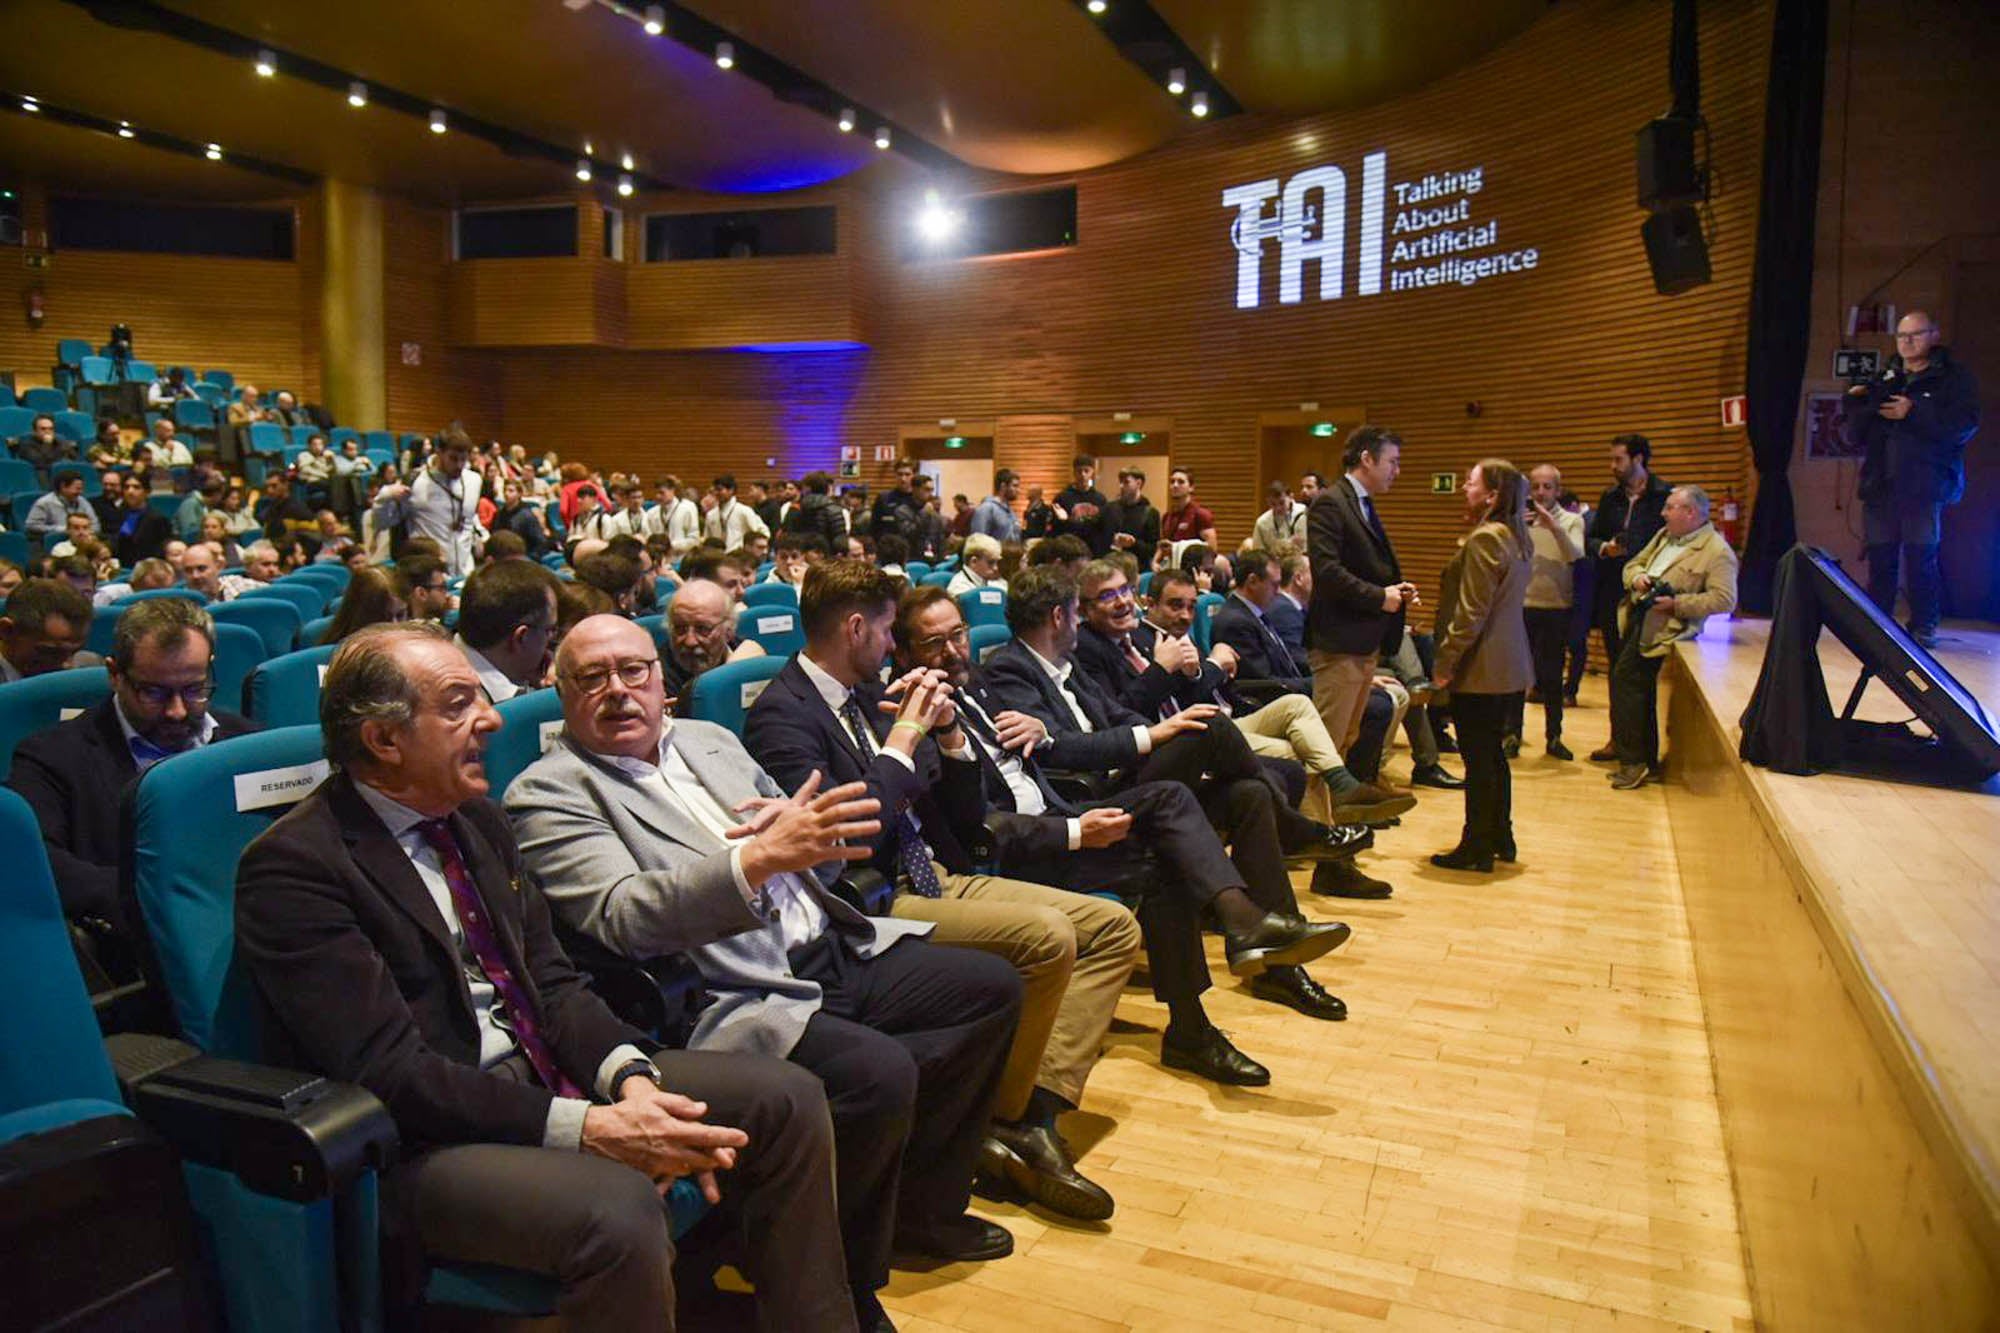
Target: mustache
617, 710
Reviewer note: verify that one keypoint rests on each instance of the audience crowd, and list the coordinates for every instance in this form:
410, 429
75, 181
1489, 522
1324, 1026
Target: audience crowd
913, 882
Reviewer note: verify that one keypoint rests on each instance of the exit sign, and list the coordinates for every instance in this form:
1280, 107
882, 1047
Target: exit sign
1443, 483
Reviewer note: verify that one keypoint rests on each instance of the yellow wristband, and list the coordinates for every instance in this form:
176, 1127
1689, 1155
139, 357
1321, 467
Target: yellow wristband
913, 726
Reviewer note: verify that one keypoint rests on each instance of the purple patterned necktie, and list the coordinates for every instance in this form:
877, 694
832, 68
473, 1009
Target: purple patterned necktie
472, 919
913, 854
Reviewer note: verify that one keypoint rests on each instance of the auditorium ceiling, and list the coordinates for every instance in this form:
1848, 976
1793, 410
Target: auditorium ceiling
1011, 86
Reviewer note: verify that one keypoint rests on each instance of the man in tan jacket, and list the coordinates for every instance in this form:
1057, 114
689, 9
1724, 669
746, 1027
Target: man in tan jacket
1680, 578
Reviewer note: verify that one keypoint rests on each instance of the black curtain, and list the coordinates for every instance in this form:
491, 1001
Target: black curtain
1781, 288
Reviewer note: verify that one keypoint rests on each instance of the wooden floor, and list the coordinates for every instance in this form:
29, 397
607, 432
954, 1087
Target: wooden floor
1517, 1128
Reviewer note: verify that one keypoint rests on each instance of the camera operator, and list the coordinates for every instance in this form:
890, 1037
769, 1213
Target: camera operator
1912, 422
1685, 574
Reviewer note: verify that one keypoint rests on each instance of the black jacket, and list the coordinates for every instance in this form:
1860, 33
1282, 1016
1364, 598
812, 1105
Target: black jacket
74, 776
1015, 680
1352, 566
1632, 522
1922, 457
1146, 691
1139, 519
148, 539
816, 512
1095, 532
524, 521
791, 732
1260, 653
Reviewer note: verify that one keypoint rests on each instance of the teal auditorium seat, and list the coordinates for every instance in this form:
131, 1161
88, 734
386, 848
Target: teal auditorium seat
309, 595
141, 372
14, 546
771, 594
77, 427
937, 578
914, 570
238, 650
1203, 629
983, 606
40, 702
98, 370
19, 505
16, 422
314, 630
724, 695
222, 379
165, 503
18, 478
267, 437
985, 638
94, 1214
93, 481
45, 399
334, 573
775, 627
276, 620
152, 594
284, 691
529, 725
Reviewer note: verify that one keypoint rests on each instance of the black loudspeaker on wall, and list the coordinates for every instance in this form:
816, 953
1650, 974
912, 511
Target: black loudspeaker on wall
1667, 171
1676, 249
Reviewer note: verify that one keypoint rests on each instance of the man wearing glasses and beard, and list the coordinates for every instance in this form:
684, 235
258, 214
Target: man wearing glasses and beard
161, 668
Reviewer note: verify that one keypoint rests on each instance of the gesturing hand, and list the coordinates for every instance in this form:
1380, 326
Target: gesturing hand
661, 1134
1019, 731
1896, 408
1193, 718
1224, 657
925, 703
1105, 827
809, 829
1174, 653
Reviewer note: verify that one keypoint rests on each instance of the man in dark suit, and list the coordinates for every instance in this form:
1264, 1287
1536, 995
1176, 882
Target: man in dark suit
1287, 612
828, 713
1627, 517
391, 930
161, 679
1151, 840
137, 533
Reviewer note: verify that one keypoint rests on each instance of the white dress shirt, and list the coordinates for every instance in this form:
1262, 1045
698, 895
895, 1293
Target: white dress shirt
1028, 799
1060, 675
564, 1126
733, 523
491, 678
446, 511
683, 525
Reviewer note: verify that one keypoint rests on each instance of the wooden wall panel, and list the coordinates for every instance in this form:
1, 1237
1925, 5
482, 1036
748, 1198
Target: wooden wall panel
447, 383
241, 315
533, 302
1139, 316
725, 303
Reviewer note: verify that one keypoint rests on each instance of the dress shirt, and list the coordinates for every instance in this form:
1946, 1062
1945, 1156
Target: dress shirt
144, 753
965, 581
835, 695
624, 522
491, 678
1668, 551
564, 1127
446, 511
233, 586
1272, 532
683, 525
1028, 798
314, 466
1060, 675
733, 523
1551, 573
784, 902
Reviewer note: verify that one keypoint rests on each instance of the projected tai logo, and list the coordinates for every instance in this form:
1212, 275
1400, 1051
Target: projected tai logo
1432, 240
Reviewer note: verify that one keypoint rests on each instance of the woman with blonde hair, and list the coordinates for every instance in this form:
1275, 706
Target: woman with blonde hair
1483, 657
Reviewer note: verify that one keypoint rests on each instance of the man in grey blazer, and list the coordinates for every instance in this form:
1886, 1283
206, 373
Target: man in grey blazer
657, 836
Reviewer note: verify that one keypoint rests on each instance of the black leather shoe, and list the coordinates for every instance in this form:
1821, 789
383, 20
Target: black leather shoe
960, 1240
1333, 842
1504, 850
1465, 856
1511, 746
1282, 941
1557, 750
1035, 1160
1210, 1055
869, 1316
1345, 880
1569, 700
1434, 775
1291, 986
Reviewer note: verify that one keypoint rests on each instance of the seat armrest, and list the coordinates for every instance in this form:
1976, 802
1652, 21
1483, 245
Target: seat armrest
282, 1133
1080, 788
1261, 692
866, 890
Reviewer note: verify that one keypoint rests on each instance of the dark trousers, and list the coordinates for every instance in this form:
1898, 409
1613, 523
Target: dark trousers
909, 1045
1176, 864
1489, 785
1635, 690
599, 1229
1218, 756
1364, 757
1548, 635
1580, 616
1610, 591
1885, 570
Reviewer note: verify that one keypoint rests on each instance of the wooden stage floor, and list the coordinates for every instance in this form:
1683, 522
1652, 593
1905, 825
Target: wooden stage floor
1516, 1129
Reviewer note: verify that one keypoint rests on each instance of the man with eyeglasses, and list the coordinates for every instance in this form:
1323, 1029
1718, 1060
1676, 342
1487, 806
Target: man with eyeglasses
441, 504
1912, 423
161, 669
701, 636
424, 586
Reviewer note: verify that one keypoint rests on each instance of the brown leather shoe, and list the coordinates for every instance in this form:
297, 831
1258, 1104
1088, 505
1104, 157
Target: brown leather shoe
1371, 803
1606, 755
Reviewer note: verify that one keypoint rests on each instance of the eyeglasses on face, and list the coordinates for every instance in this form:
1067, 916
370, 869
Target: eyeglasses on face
631, 674
1113, 596
159, 696
958, 638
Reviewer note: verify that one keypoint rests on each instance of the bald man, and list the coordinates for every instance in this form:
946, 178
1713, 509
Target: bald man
701, 636
1912, 422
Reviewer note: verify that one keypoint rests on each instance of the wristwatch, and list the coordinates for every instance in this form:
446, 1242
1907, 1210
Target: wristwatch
640, 1068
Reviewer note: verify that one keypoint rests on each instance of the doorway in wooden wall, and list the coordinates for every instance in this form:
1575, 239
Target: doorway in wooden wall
1291, 444
958, 458
1128, 441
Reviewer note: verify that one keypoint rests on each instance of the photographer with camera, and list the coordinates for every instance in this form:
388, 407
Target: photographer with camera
1685, 574
1912, 422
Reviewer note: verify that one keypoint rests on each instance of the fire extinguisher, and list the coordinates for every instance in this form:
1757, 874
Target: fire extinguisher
37, 306
1732, 518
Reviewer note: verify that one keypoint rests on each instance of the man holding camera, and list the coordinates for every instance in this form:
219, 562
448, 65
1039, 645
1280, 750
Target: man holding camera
1913, 423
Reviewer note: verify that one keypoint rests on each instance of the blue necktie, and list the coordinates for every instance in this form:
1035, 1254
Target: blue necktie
913, 854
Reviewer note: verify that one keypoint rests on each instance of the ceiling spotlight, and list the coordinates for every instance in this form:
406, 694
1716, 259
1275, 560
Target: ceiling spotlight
725, 55
626, 161
588, 151
267, 63
357, 93
583, 169
125, 129
1198, 104
1176, 80
1096, 6
937, 223
625, 185
214, 153
30, 104
656, 20
437, 121
882, 136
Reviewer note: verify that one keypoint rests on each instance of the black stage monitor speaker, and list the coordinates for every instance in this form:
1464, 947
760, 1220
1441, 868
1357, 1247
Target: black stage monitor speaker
1667, 173
1790, 724
1676, 250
